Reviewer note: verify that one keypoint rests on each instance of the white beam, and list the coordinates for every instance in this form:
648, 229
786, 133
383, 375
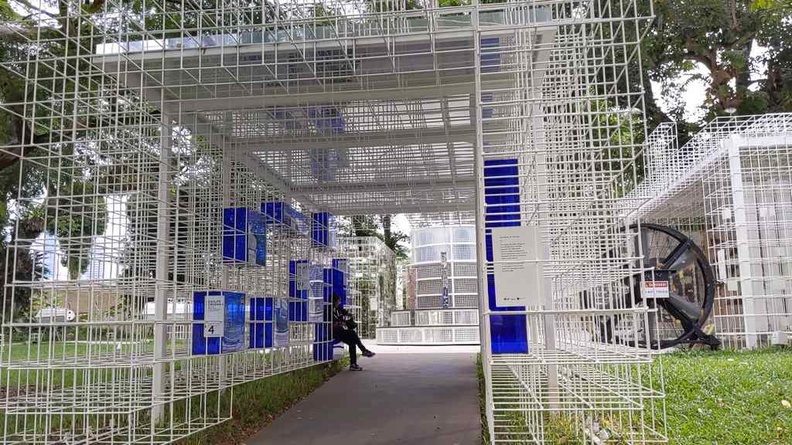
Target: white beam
359, 140
390, 186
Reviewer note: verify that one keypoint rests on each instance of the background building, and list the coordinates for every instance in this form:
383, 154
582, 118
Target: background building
442, 289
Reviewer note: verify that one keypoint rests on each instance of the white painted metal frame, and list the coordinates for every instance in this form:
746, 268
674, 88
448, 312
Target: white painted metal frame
176, 110
728, 188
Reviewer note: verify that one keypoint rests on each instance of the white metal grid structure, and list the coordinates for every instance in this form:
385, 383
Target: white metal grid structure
729, 189
372, 281
352, 107
429, 322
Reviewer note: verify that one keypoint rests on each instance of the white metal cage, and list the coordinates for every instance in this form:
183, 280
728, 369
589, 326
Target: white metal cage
729, 189
372, 281
159, 115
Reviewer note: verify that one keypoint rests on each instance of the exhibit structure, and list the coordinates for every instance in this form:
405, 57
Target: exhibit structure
207, 119
730, 190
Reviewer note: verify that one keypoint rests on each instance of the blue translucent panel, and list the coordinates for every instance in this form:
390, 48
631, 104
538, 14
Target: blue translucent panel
260, 335
490, 54
234, 324
244, 236
294, 289
502, 195
322, 229
282, 216
234, 329
323, 346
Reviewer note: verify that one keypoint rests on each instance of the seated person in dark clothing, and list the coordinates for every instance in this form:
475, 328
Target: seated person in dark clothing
344, 330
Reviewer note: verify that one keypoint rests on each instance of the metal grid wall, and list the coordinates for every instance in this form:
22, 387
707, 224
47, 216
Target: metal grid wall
556, 151
372, 283
352, 108
728, 189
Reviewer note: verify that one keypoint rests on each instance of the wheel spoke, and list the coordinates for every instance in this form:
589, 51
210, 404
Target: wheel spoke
676, 254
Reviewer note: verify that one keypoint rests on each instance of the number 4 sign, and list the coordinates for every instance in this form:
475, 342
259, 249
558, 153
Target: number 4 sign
214, 316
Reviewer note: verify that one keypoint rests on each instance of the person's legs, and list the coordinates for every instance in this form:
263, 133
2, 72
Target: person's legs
352, 341
352, 353
356, 339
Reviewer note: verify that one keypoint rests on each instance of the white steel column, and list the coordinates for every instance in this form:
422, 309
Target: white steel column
751, 307
481, 243
163, 257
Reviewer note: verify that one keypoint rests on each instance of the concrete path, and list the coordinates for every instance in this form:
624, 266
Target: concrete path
404, 396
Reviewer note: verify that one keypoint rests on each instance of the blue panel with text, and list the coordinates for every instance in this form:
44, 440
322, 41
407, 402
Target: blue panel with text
502, 195
222, 314
283, 217
244, 237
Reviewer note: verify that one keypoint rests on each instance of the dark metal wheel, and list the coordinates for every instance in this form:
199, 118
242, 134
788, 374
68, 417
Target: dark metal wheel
673, 257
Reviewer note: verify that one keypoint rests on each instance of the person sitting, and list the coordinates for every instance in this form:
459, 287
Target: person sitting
344, 330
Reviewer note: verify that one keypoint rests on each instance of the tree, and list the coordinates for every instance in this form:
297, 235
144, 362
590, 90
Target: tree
721, 36
60, 199
364, 225
393, 239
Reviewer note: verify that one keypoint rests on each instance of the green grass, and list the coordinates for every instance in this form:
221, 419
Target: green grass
713, 398
253, 404
482, 388
257, 403
728, 397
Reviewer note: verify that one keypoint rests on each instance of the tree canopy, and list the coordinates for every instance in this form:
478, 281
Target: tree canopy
743, 48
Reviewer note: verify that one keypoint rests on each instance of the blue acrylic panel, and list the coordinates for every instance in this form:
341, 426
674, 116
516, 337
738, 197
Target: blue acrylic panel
234, 324
328, 120
502, 195
323, 345
322, 228
260, 333
202, 345
282, 216
341, 266
234, 335
325, 163
490, 55
244, 236
298, 311
299, 278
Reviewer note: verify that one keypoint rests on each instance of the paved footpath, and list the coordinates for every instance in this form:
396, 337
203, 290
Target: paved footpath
410, 396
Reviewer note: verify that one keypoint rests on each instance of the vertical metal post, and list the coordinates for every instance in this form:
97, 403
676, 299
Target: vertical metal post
544, 287
742, 235
481, 244
163, 258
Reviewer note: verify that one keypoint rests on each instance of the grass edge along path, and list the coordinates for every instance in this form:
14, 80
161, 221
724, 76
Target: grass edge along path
718, 398
256, 404
482, 388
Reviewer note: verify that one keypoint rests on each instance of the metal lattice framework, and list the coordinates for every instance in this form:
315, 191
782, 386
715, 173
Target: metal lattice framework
521, 113
372, 280
729, 189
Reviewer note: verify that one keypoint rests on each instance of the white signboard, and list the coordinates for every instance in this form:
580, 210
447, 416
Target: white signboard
302, 275
214, 315
316, 309
519, 277
281, 318
656, 289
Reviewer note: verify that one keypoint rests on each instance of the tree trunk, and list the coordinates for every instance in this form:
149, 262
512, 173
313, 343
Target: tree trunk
386, 227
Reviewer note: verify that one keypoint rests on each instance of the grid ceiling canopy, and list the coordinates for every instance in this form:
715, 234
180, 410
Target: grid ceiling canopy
360, 124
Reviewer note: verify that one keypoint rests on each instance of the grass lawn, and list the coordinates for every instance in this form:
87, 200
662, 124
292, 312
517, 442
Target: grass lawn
728, 397
722, 397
